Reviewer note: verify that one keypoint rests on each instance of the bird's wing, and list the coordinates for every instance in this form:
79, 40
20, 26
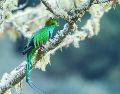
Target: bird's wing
28, 47
41, 37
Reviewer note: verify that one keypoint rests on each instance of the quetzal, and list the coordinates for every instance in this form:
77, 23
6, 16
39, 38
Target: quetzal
40, 37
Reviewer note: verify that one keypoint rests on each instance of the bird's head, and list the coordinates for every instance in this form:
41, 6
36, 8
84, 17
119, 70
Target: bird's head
51, 22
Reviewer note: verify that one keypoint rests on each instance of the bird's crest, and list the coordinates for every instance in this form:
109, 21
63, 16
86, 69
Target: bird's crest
51, 21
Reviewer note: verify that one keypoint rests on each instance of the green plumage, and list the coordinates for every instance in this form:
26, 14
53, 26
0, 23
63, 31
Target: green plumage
41, 36
29, 57
37, 40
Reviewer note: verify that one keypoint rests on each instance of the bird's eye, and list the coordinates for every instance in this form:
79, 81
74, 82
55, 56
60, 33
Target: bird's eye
53, 24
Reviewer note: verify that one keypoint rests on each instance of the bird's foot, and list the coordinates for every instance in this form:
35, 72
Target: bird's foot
41, 48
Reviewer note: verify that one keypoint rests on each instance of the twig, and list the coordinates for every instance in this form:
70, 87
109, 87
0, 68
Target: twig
57, 14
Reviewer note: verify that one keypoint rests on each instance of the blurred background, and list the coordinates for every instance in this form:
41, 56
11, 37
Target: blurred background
94, 68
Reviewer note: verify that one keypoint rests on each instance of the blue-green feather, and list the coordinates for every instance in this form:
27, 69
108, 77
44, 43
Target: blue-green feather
40, 37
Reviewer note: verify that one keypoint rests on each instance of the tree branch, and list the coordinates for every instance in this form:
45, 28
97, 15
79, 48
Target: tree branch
52, 10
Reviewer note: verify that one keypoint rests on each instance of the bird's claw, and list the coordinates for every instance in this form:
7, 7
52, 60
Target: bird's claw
41, 48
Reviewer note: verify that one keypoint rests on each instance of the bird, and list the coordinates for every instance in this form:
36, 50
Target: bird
37, 40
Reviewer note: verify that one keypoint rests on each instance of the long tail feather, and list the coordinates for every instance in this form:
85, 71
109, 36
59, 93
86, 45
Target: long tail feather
30, 83
35, 87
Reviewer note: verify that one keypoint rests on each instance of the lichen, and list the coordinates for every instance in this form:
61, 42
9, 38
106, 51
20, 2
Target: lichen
18, 87
8, 92
42, 63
